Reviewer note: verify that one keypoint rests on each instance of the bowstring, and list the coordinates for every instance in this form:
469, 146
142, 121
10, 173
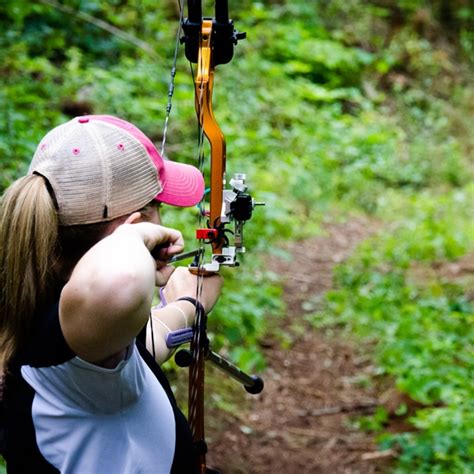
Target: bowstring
169, 103
200, 319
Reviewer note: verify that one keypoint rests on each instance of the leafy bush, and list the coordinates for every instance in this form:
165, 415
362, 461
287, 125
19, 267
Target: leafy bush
443, 444
421, 328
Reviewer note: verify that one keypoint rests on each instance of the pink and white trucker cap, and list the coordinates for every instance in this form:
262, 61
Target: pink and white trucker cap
101, 167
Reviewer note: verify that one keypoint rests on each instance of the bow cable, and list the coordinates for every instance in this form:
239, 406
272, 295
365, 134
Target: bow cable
169, 103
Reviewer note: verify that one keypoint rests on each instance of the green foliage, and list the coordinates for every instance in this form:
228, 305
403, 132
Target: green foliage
443, 444
240, 320
330, 108
374, 423
434, 227
421, 327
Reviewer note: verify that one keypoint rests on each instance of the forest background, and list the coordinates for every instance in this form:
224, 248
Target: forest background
334, 110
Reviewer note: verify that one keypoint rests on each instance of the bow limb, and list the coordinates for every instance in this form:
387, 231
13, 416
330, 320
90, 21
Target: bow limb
203, 96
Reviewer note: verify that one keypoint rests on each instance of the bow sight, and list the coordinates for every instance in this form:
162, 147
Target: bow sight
237, 207
208, 43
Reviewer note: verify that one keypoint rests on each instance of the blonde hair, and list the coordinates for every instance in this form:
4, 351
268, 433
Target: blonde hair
35, 254
28, 252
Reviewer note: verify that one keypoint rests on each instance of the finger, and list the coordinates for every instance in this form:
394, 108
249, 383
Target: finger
159, 253
164, 253
175, 240
172, 247
169, 242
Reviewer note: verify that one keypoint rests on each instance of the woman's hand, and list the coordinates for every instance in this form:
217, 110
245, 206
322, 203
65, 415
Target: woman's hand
184, 283
162, 242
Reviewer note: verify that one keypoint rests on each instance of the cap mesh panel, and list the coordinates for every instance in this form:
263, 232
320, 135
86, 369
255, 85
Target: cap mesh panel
92, 166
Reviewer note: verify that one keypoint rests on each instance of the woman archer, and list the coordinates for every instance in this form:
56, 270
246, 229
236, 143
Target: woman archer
82, 251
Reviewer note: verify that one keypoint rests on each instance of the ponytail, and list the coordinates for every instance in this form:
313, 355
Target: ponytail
28, 254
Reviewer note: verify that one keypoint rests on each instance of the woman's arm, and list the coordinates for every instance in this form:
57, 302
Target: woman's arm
107, 300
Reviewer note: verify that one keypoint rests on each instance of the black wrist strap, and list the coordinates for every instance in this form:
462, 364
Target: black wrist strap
199, 307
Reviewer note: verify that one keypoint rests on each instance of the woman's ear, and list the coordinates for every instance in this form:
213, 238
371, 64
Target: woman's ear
133, 218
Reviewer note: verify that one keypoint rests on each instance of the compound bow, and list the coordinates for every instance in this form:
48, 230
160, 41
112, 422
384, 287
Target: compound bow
209, 42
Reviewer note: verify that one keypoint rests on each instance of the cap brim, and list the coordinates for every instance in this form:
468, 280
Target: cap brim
183, 185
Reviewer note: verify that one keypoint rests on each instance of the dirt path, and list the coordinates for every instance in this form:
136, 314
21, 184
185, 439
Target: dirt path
301, 423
